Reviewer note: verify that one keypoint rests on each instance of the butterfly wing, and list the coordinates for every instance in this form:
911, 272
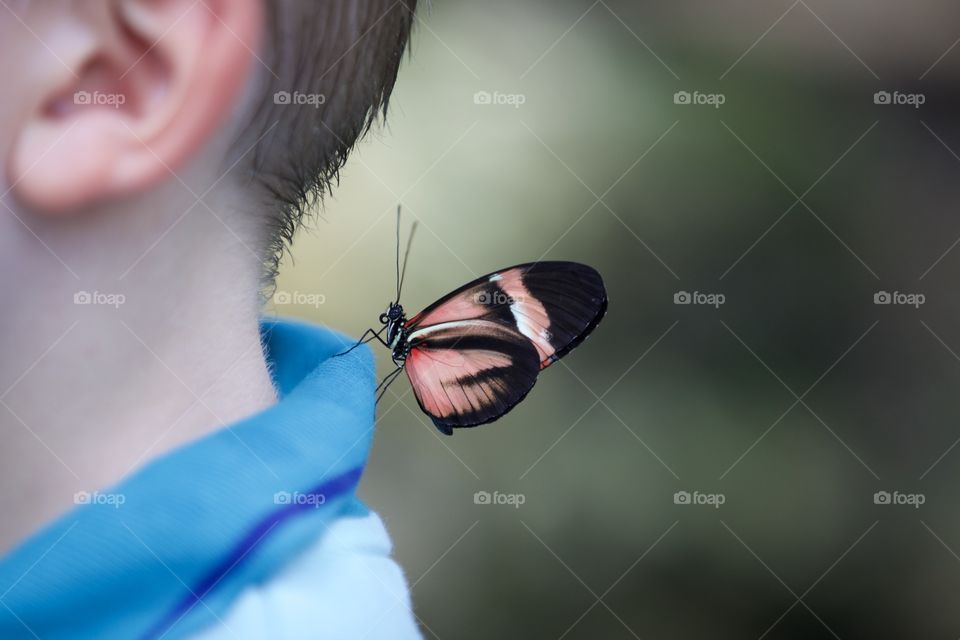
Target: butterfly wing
475, 353
469, 372
554, 305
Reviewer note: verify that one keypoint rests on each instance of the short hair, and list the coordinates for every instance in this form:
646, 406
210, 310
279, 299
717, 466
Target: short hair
344, 53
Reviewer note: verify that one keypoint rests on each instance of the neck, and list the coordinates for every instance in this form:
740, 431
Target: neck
165, 350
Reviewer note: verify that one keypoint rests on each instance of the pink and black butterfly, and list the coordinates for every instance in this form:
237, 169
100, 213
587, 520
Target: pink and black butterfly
475, 353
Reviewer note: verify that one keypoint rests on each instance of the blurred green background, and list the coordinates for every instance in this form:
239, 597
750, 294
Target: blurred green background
797, 400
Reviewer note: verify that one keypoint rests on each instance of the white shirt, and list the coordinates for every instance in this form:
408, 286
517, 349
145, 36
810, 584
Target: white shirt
345, 586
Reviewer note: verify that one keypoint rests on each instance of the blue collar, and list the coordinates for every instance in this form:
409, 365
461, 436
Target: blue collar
199, 524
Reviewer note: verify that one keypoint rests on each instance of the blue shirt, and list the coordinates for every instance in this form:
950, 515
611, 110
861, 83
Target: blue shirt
211, 531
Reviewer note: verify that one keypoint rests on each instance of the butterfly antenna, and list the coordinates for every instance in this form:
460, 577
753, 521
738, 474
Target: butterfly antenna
398, 253
406, 255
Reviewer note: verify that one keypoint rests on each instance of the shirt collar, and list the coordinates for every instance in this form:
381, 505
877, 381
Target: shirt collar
182, 537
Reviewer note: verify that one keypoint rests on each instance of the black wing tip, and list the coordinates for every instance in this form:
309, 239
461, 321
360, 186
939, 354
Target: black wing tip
565, 265
442, 427
447, 428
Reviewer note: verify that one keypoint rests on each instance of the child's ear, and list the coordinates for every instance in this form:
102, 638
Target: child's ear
127, 91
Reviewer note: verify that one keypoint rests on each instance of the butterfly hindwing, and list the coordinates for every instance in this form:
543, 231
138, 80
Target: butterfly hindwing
555, 305
469, 372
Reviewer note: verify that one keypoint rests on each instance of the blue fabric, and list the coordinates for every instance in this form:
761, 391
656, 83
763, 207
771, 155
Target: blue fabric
201, 523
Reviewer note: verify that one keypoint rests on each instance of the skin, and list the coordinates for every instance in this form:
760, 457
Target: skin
97, 198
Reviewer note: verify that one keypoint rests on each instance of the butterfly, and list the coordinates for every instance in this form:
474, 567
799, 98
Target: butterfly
475, 353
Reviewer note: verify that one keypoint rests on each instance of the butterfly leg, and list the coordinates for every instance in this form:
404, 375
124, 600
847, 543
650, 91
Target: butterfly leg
363, 340
386, 382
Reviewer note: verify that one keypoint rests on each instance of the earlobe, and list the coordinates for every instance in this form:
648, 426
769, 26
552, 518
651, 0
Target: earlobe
138, 89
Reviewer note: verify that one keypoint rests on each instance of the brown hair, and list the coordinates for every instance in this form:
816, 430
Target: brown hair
341, 57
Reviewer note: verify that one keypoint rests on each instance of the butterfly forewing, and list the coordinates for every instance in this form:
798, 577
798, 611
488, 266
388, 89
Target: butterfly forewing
555, 305
469, 372
475, 353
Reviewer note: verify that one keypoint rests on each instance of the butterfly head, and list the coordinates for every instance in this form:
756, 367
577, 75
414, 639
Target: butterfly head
394, 318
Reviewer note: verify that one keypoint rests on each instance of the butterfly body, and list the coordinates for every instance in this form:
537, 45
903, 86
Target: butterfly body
475, 353
394, 320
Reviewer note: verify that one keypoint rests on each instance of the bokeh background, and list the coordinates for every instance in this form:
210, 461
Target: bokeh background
799, 198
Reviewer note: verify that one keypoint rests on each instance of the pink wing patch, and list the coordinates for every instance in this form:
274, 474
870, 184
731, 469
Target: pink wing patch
502, 295
531, 317
439, 377
469, 373
466, 305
